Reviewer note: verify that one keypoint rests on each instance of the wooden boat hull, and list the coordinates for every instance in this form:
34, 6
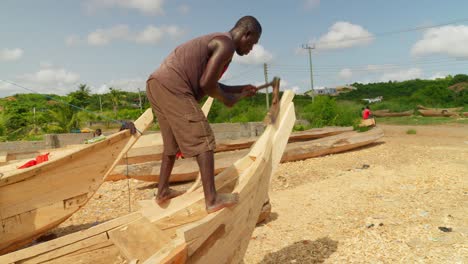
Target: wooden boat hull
149, 147
187, 169
449, 109
392, 114
36, 199
181, 231
330, 145
436, 113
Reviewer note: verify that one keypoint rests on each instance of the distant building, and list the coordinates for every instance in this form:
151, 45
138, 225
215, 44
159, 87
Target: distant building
333, 91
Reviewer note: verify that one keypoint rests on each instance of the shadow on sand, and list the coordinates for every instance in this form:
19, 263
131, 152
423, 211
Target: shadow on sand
304, 251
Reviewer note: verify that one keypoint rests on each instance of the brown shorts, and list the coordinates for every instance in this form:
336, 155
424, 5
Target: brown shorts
183, 125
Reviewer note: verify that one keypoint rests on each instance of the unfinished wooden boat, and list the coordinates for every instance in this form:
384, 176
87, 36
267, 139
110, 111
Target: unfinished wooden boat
330, 145
187, 169
181, 231
448, 109
38, 198
386, 113
184, 169
149, 147
444, 113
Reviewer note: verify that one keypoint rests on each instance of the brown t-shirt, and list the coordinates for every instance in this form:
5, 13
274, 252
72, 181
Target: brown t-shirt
182, 70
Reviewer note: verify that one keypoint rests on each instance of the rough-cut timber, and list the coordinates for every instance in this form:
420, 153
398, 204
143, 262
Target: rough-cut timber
195, 236
38, 198
437, 113
187, 169
387, 113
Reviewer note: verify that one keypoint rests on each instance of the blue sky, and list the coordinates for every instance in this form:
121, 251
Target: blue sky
53, 46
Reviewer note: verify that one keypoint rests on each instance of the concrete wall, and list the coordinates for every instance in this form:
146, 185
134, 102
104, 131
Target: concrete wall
221, 130
50, 141
237, 130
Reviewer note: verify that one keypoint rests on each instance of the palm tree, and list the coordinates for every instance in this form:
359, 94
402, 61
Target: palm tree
64, 118
117, 98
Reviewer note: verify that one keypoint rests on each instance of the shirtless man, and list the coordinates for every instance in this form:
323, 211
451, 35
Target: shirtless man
189, 73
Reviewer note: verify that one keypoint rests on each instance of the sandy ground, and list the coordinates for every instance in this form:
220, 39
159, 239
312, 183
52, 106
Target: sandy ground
385, 203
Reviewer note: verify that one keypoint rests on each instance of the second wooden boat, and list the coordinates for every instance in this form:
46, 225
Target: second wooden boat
187, 169
382, 113
436, 113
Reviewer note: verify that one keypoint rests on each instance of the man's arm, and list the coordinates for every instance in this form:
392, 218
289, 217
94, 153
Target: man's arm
221, 49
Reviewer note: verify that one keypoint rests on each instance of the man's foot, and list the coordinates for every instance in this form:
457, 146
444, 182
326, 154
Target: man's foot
167, 195
223, 200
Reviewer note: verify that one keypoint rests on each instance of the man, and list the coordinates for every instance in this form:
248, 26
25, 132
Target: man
189, 73
366, 113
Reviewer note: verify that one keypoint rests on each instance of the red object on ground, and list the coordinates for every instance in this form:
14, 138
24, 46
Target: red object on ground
39, 159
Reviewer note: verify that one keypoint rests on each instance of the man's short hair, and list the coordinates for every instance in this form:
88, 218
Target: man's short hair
249, 23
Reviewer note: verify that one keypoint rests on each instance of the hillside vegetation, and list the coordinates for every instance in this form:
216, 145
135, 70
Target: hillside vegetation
29, 116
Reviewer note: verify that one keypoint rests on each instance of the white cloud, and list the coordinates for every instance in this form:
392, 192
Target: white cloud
131, 85
48, 79
344, 35
345, 73
10, 54
149, 7
402, 75
102, 37
447, 40
150, 35
184, 9
153, 35
311, 3
437, 75
257, 55
52, 76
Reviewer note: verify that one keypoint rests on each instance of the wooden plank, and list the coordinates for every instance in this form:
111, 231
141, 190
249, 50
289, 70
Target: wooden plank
68, 239
85, 243
139, 239
330, 145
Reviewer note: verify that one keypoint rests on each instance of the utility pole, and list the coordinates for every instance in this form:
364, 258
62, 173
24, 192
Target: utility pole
139, 97
100, 104
265, 71
309, 48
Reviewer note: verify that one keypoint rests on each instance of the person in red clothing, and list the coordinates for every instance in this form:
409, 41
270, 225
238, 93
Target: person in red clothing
366, 113
174, 90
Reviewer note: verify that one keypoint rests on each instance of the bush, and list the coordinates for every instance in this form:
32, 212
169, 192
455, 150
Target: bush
411, 132
324, 111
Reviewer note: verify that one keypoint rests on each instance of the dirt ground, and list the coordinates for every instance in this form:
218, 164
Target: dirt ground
386, 203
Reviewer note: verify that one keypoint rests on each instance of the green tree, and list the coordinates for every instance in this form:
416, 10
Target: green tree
116, 97
81, 97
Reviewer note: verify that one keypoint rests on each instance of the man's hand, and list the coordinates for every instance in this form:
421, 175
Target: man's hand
128, 125
230, 100
249, 90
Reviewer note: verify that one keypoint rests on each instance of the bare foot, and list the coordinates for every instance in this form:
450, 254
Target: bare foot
167, 195
223, 200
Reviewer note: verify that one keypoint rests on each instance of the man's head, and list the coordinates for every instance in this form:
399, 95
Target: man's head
246, 34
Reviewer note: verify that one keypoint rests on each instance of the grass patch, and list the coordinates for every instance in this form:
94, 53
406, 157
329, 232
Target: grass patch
411, 132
